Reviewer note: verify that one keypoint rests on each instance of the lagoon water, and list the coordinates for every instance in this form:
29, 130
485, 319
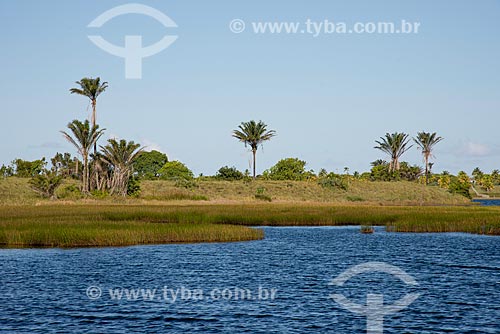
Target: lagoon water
487, 202
458, 275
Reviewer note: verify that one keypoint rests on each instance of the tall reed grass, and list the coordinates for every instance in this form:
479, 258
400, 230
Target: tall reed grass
117, 225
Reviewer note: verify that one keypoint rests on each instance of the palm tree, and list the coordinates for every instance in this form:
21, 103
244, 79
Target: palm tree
83, 138
121, 156
253, 134
91, 88
394, 145
426, 142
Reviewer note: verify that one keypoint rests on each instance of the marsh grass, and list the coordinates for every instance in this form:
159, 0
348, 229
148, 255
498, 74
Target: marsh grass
367, 229
120, 225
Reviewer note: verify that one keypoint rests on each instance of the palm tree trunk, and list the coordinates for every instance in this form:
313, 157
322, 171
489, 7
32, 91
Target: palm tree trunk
94, 121
85, 174
254, 151
426, 170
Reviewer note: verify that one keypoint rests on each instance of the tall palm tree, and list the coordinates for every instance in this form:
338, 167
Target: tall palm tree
426, 142
83, 138
394, 145
91, 88
253, 134
121, 156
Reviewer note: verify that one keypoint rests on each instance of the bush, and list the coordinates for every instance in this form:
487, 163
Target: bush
99, 194
46, 184
334, 181
187, 184
461, 188
229, 173
147, 164
26, 168
70, 192
133, 187
261, 196
380, 172
291, 169
355, 199
175, 170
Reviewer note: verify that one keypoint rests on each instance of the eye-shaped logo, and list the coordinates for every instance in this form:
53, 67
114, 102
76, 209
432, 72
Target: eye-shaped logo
374, 310
133, 52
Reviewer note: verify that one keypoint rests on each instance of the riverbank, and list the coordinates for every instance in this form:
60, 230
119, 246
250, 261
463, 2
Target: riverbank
16, 191
93, 225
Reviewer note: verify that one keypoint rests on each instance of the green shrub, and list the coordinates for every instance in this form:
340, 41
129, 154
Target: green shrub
175, 170
46, 184
334, 181
134, 187
99, 194
26, 168
187, 184
461, 188
229, 173
71, 191
355, 199
291, 169
147, 164
259, 194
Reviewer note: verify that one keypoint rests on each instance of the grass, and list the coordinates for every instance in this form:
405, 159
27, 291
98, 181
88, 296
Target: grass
369, 193
121, 225
89, 226
16, 191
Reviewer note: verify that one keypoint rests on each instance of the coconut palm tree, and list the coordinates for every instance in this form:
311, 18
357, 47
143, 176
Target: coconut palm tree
426, 142
121, 156
253, 134
83, 138
394, 145
91, 88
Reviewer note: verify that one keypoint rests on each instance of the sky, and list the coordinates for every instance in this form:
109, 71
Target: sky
328, 97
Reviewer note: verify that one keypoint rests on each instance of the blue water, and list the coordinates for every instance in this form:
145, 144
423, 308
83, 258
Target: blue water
487, 202
44, 290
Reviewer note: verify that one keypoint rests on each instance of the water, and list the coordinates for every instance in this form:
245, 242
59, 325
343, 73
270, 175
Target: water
487, 202
44, 290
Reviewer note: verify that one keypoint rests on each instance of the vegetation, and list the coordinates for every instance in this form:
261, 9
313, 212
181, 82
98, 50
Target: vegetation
120, 155
291, 169
381, 171
120, 225
426, 142
253, 134
77, 226
83, 138
367, 229
46, 184
394, 145
173, 170
91, 88
147, 164
229, 174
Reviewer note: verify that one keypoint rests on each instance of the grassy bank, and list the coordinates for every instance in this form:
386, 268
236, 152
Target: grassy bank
360, 192
15, 191
119, 225
89, 226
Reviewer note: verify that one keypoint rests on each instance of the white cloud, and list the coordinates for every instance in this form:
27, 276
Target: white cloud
151, 146
475, 149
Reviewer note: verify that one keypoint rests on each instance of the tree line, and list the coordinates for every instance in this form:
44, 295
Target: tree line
118, 166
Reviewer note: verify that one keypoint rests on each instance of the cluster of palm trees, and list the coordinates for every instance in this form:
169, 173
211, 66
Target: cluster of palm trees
397, 144
110, 169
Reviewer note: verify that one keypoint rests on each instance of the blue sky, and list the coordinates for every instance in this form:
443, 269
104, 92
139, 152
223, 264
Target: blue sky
328, 97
